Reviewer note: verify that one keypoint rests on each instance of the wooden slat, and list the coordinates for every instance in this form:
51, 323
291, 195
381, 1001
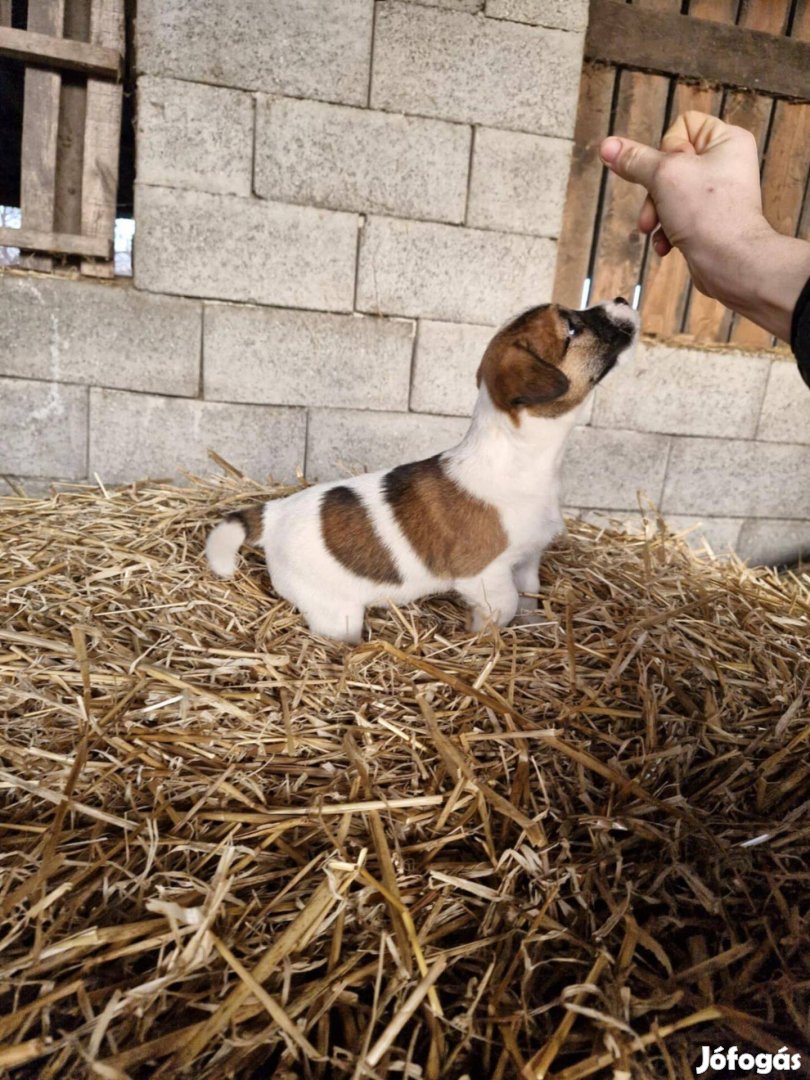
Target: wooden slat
70, 137
40, 120
51, 51
5, 12
665, 288
674, 44
771, 18
102, 136
56, 243
584, 181
707, 319
620, 246
783, 185
666, 285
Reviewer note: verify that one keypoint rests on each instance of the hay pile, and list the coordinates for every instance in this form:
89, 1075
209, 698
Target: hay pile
231, 849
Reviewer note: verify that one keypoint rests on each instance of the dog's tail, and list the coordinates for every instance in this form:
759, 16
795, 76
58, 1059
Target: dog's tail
225, 539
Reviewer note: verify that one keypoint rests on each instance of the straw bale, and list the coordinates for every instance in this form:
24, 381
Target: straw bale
229, 848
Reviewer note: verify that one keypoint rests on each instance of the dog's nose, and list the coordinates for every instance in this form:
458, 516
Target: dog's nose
620, 300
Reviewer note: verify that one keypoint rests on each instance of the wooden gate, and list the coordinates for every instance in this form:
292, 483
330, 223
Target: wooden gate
747, 61
73, 53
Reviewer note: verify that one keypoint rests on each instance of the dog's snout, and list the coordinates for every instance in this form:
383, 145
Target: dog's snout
621, 300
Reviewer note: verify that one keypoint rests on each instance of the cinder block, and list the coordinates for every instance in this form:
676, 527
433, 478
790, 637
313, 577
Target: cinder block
357, 159
310, 48
785, 413
457, 66
194, 136
229, 248
445, 364
44, 426
774, 543
81, 332
342, 442
272, 356
563, 14
738, 479
685, 392
416, 268
708, 536
472, 7
135, 436
518, 182
613, 468
36, 487
712, 535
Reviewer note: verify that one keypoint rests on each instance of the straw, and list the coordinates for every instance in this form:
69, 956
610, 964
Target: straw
231, 848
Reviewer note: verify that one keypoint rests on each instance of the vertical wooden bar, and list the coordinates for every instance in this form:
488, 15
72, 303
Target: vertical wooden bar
40, 122
102, 137
801, 30
666, 285
784, 176
70, 138
640, 115
584, 182
707, 319
665, 288
772, 19
5, 12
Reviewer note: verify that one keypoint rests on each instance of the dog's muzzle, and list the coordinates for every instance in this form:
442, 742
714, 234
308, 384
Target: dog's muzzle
616, 324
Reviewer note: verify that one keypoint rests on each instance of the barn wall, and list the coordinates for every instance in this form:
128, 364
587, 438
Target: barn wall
336, 201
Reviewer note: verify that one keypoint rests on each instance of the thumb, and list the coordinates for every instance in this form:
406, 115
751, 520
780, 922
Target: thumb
631, 160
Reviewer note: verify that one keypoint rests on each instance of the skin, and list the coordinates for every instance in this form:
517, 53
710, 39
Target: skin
704, 198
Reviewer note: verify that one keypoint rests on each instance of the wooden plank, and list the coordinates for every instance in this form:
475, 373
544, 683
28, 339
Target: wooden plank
771, 18
697, 49
56, 243
784, 178
5, 12
40, 120
665, 289
70, 136
51, 51
707, 319
620, 246
667, 283
102, 136
584, 182
785, 171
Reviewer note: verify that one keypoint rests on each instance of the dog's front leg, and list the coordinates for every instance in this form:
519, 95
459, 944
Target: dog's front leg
492, 597
527, 580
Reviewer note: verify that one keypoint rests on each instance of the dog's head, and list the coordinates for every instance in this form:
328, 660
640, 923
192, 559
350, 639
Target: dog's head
547, 360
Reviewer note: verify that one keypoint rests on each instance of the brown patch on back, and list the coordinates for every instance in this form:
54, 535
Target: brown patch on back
349, 535
454, 533
252, 518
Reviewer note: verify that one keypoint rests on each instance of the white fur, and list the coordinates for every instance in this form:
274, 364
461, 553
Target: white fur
222, 546
513, 468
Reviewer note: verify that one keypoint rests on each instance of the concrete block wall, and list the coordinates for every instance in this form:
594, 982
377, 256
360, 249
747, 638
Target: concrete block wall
336, 202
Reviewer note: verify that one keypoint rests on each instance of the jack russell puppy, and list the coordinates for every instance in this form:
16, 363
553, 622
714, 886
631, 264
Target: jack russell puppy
474, 519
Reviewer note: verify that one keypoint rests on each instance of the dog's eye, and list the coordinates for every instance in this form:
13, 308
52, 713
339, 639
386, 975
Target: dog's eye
572, 329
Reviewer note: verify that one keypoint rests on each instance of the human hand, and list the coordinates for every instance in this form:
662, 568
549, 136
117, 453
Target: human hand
704, 198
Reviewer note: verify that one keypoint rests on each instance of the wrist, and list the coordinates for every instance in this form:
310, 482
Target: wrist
768, 274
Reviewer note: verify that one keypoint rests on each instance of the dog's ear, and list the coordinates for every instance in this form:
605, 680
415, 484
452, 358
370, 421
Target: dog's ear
524, 379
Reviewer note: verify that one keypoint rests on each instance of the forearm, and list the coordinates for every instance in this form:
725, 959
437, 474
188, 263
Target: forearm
765, 280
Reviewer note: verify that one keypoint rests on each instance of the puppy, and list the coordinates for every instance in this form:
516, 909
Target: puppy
475, 518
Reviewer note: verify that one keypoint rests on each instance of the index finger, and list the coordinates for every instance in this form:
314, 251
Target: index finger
693, 132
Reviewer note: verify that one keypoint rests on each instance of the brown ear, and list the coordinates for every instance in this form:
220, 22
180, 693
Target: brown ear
524, 378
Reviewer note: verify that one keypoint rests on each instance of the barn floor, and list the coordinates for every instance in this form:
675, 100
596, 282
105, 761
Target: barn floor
231, 849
